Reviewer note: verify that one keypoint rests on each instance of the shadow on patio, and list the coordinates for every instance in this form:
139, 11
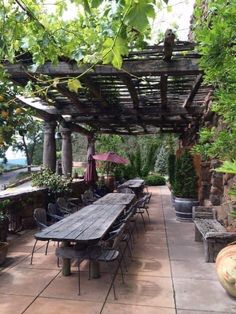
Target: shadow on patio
167, 275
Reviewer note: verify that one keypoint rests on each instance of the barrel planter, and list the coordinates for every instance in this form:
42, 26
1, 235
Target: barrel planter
3, 252
184, 208
4, 223
226, 268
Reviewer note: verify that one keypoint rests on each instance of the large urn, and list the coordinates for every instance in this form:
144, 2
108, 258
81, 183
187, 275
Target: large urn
226, 268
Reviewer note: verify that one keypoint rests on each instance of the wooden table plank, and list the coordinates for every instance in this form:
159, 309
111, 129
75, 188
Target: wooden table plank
88, 224
134, 183
116, 198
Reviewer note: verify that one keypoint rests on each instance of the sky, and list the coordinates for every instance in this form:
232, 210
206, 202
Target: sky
177, 17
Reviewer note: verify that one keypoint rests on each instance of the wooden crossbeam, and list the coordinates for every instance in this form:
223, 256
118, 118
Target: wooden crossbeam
131, 88
193, 92
73, 97
163, 90
78, 128
185, 66
95, 90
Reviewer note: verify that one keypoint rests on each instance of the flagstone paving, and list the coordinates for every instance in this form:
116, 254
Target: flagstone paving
167, 275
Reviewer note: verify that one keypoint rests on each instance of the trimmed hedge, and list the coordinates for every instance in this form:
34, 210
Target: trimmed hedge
155, 179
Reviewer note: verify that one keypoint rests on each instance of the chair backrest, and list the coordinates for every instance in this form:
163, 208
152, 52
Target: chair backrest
40, 216
61, 202
118, 236
125, 190
52, 209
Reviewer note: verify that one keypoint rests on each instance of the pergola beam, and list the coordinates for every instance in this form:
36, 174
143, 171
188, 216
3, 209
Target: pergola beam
193, 91
131, 88
186, 66
163, 90
95, 90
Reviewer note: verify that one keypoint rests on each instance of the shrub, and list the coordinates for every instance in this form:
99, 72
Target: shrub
171, 168
155, 179
185, 184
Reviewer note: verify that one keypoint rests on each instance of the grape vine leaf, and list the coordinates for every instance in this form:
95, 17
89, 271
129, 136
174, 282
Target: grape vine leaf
113, 50
139, 14
74, 85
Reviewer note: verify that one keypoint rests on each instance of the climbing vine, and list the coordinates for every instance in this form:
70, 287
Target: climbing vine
85, 31
215, 32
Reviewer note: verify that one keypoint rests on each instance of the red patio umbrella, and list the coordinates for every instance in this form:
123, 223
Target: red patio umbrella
90, 175
112, 157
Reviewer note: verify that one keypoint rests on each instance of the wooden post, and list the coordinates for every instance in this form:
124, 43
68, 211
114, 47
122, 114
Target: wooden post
49, 145
66, 154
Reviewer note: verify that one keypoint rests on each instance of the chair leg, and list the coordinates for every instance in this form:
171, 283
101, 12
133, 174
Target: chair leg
78, 278
46, 251
89, 270
31, 260
122, 273
148, 214
144, 224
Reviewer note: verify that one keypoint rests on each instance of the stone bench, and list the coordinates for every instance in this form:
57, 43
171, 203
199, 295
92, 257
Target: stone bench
208, 229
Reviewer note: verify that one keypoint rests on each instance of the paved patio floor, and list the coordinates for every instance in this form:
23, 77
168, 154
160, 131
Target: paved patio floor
167, 275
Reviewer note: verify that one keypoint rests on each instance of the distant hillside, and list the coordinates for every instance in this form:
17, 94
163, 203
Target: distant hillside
14, 162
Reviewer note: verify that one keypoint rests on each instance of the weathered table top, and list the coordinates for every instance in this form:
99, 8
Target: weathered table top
116, 198
134, 183
88, 224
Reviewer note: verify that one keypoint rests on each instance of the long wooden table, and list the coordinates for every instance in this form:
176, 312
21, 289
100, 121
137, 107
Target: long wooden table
88, 225
135, 184
116, 198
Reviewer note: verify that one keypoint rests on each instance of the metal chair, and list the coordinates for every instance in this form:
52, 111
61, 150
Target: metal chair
40, 216
65, 206
73, 252
54, 213
109, 254
125, 190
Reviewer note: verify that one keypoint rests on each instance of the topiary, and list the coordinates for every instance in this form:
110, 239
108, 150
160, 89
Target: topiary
185, 183
155, 179
171, 168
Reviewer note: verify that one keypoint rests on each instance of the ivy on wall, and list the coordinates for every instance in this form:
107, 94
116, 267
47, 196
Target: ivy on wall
215, 33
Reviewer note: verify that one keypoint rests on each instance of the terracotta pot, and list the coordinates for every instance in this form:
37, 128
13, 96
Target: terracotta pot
3, 252
226, 268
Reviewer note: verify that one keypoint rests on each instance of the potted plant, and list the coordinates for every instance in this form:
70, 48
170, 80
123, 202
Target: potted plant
185, 187
57, 185
4, 223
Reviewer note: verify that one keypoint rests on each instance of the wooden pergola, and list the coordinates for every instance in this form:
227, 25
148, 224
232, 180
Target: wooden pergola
150, 94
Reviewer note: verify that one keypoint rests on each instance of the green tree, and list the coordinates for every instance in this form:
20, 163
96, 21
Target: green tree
28, 136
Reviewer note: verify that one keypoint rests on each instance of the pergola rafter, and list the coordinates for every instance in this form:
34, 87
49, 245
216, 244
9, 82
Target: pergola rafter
147, 95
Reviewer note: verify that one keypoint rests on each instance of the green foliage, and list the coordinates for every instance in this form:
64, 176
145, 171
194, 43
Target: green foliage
229, 167
171, 168
3, 207
185, 184
216, 37
46, 178
155, 179
162, 161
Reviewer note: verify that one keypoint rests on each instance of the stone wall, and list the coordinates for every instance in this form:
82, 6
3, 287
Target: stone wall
22, 204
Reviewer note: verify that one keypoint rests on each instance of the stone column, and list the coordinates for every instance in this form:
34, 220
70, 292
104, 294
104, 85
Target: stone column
66, 151
49, 145
91, 145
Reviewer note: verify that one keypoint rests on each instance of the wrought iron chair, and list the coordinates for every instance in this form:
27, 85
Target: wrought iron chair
66, 206
54, 213
40, 216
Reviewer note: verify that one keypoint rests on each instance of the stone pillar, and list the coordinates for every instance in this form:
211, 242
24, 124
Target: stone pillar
49, 145
91, 145
66, 151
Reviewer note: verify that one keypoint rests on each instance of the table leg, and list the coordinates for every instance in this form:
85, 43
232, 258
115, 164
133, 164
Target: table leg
95, 270
65, 262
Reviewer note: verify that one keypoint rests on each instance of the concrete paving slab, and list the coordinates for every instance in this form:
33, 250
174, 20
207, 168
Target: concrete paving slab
14, 304
199, 312
202, 295
145, 290
134, 309
149, 267
57, 306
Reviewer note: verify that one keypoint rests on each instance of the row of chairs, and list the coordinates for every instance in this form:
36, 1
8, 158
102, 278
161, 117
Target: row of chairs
112, 248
